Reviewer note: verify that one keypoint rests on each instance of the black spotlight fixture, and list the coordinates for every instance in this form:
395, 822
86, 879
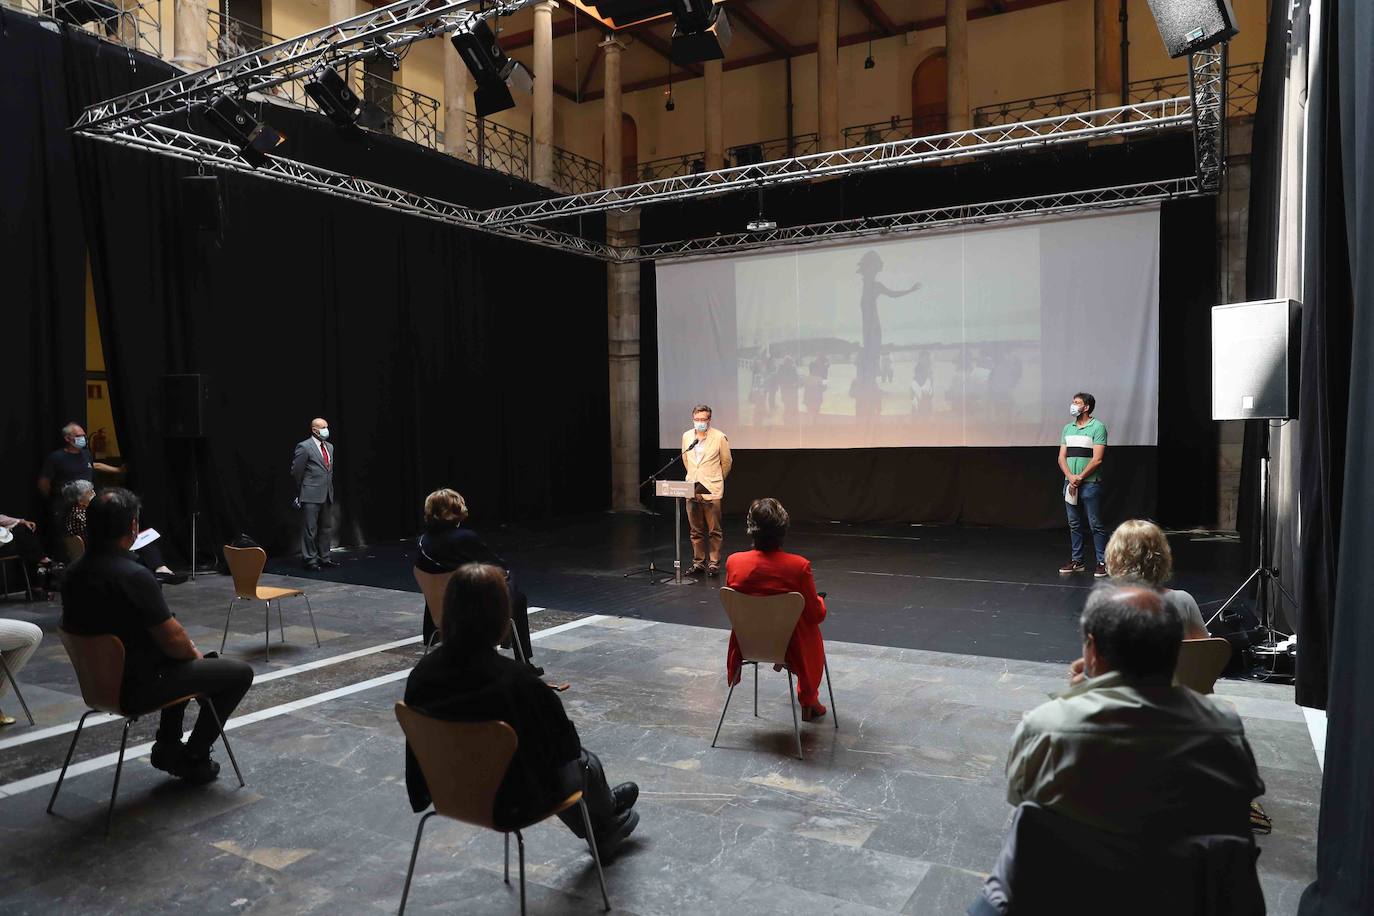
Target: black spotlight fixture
495, 73
254, 138
669, 105
701, 32
335, 97
869, 63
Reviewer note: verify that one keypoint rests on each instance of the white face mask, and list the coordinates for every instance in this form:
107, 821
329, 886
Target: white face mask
700, 425
79, 442
1075, 410
324, 433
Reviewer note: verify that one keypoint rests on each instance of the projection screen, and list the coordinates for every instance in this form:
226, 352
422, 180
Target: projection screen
972, 337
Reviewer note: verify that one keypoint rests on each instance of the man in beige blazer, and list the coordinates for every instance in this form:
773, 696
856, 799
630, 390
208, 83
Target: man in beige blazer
706, 453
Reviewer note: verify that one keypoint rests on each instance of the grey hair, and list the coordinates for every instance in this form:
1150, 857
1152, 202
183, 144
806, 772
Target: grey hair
73, 491
67, 430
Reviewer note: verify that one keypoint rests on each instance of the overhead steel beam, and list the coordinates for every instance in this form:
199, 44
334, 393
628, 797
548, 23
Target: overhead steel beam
1128, 195
878, 16
1123, 121
358, 38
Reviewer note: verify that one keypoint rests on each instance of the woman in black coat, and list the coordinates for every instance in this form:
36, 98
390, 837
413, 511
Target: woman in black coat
446, 545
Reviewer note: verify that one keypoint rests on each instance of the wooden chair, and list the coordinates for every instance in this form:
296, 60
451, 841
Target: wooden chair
99, 664
763, 626
464, 764
14, 685
433, 585
246, 565
1200, 663
75, 546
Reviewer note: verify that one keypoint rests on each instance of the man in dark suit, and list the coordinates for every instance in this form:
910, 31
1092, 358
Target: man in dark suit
312, 468
467, 680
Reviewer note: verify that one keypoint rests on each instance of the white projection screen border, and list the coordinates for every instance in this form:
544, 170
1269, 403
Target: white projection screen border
976, 336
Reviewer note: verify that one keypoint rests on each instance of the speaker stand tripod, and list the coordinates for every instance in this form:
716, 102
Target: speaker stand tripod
1270, 587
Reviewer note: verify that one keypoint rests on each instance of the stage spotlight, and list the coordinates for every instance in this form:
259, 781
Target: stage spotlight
701, 31
670, 104
253, 137
335, 97
495, 73
869, 63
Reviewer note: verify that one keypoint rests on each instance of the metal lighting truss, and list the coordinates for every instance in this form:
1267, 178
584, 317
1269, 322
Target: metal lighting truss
358, 38
1207, 86
1123, 121
206, 151
1128, 195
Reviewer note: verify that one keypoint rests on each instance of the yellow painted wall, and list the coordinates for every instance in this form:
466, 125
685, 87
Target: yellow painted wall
100, 425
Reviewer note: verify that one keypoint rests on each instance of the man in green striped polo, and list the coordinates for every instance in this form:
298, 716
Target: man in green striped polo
1081, 447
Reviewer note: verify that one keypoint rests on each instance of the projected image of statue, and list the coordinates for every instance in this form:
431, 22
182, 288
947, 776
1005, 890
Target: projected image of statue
865, 389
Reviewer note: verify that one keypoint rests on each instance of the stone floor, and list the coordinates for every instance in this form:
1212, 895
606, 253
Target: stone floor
900, 810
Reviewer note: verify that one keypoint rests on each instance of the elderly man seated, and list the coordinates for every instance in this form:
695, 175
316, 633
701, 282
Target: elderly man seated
1125, 754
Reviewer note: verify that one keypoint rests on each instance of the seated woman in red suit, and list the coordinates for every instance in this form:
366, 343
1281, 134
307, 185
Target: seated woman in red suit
768, 570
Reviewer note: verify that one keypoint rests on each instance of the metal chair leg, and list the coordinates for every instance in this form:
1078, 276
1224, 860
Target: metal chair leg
311, 611
519, 650
28, 586
281, 625
66, 763
596, 853
119, 768
520, 844
722, 714
506, 876
227, 614
207, 706
15, 686
756, 690
833, 714
414, 851
792, 695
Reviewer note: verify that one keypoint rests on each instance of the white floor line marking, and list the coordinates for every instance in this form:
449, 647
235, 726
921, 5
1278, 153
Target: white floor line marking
1316, 728
96, 763
66, 728
859, 572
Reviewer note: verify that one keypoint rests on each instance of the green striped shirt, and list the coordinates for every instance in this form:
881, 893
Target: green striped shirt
1078, 442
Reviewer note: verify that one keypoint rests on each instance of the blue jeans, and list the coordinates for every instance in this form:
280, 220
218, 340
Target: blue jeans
1089, 501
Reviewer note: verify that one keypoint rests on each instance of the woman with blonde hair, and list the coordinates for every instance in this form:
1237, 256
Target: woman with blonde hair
446, 545
1139, 550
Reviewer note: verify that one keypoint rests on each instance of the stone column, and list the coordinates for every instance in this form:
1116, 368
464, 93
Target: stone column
611, 112
457, 95
713, 75
622, 301
827, 73
1107, 88
339, 10
956, 57
191, 35
541, 164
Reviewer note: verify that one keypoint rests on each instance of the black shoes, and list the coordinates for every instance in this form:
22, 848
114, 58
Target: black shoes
312, 565
695, 570
1100, 572
328, 563
170, 578
625, 795
171, 757
535, 669
609, 842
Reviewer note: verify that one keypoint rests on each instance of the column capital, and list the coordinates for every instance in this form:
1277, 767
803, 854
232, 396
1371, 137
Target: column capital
611, 42
549, 5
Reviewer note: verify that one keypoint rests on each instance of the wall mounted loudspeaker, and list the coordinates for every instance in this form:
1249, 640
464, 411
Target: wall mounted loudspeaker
1191, 25
183, 406
1255, 360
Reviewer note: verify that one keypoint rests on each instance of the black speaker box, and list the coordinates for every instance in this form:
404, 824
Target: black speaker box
200, 201
183, 406
1192, 25
1255, 356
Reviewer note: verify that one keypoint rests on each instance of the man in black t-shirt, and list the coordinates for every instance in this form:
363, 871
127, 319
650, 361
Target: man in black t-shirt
109, 591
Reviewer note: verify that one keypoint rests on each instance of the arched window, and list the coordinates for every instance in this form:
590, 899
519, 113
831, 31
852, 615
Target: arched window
629, 148
929, 111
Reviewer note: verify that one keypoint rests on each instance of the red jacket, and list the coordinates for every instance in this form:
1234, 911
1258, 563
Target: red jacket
775, 572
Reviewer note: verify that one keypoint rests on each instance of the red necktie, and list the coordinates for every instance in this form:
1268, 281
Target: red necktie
324, 450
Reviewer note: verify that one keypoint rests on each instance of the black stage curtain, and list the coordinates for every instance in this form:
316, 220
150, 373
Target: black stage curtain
985, 486
1345, 842
42, 252
440, 357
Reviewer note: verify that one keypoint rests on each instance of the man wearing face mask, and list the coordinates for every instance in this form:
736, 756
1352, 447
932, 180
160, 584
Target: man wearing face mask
72, 461
312, 468
706, 454
1081, 448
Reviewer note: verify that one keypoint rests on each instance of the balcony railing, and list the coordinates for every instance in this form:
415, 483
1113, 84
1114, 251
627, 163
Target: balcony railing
393, 109
1042, 106
742, 154
1242, 89
574, 174
227, 38
894, 128
132, 24
495, 146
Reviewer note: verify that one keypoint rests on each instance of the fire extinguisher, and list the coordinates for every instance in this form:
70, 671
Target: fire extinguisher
98, 443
